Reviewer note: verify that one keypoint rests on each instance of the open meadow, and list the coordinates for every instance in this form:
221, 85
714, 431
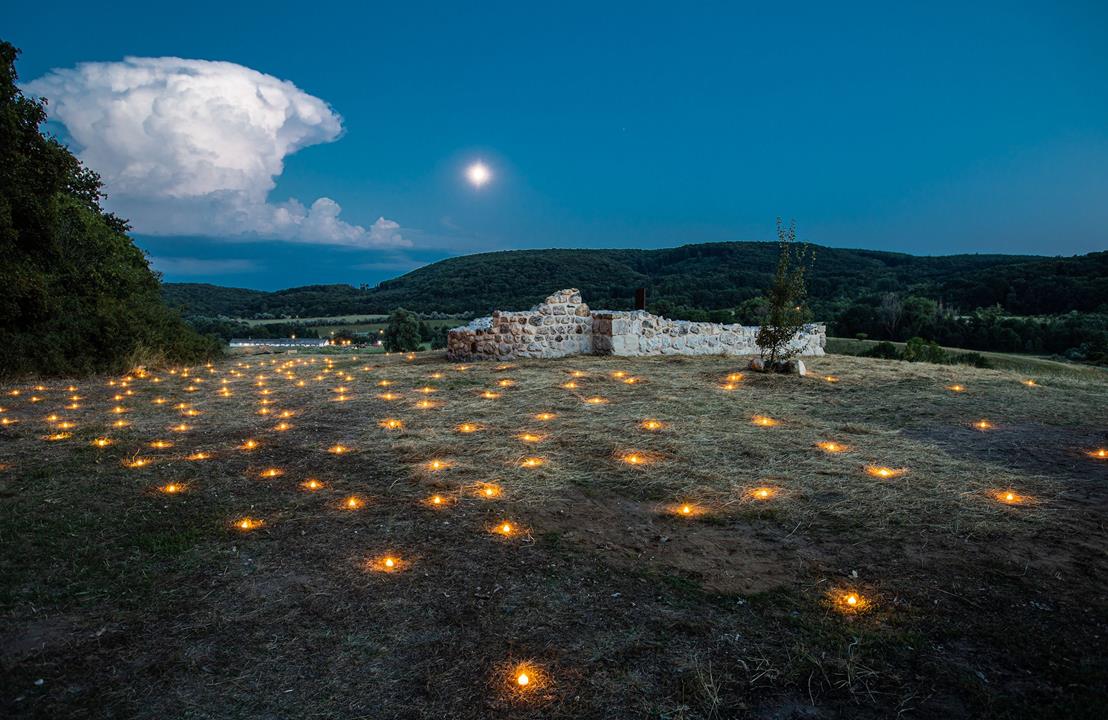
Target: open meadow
402, 537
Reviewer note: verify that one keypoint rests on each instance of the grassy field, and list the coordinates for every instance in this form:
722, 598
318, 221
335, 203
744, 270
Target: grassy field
667, 553
1016, 362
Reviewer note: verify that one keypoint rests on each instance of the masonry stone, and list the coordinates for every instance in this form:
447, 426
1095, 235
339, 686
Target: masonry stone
563, 325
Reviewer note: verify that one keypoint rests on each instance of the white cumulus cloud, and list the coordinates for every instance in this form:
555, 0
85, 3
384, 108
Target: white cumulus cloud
194, 147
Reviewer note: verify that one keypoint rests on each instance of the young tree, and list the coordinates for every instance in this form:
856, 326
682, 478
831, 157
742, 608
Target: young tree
402, 333
785, 313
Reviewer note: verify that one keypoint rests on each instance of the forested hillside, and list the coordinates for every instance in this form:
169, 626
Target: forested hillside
709, 277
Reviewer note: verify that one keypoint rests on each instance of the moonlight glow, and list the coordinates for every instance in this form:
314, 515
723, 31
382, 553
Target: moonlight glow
478, 174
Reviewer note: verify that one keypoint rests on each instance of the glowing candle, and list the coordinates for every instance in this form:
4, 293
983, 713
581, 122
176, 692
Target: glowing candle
120, 424
531, 462
569, 385
161, 444
312, 484
282, 426
466, 428
102, 442
1030, 383
171, 488
196, 456
983, 425
728, 387
596, 400
247, 524
735, 377
830, 446
489, 490
426, 404
651, 424
338, 449
764, 421
956, 388
545, 416
618, 374
353, 502
883, 472
436, 465
505, 383
630, 380
180, 428
522, 679
391, 424
137, 463
57, 436
1099, 454
389, 396
272, 473
529, 437
830, 378
249, 445
490, 395
763, 493
505, 529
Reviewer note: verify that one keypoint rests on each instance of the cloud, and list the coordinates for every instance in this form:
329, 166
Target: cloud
194, 147
200, 266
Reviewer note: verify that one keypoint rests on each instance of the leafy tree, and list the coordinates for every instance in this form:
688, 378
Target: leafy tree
402, 333
786, 313
78, 296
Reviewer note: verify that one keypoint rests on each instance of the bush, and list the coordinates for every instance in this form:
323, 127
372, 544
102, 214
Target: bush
402, 333
883, 350
919, 350
974, 359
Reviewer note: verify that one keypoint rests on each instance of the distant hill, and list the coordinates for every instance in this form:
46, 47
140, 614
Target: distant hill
709, 276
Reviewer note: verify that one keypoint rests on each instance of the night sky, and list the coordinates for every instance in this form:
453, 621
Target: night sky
283, 145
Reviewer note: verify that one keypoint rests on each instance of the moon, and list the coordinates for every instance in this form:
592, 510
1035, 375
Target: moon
478, 174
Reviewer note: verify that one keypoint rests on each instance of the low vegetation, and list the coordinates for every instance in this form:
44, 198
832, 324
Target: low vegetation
877, 539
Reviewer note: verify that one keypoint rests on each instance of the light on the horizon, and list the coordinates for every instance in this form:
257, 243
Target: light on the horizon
478, 174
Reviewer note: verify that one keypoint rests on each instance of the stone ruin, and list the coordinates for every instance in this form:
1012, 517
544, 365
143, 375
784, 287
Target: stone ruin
563, 325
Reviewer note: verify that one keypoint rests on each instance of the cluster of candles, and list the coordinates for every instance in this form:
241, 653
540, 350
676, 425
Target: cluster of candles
524, 677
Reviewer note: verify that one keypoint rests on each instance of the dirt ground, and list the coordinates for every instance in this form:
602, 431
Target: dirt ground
697, 566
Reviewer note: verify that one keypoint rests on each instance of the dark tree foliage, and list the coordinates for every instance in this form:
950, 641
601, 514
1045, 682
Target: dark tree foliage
78, 296
785, 298
683, 280
402, 333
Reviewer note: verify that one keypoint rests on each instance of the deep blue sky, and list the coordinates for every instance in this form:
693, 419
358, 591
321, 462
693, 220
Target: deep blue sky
929, 128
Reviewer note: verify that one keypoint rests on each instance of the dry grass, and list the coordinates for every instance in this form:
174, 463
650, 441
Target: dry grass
611, 593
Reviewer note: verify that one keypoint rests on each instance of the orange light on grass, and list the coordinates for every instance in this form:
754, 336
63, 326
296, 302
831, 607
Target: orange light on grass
467, 428
831, 379
956, 388
137, 462
437, 465
161, 444
247, 524
249, 445
652, 425
391, 424
764, 421
488, 491
1029, 383
596, 400
171, 488
545, 416
338, 449
490, 395
531, 462
197, 456
55, 437
885, 473
530, 437
983, 425
830, 446
569, 385
1098, 454
271, 473
311, 484
352, 502
101, 442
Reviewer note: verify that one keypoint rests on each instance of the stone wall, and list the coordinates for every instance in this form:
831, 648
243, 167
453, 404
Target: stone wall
563, 325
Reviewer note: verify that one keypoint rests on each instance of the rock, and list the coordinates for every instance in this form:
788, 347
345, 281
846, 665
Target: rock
800, 369
757, 364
